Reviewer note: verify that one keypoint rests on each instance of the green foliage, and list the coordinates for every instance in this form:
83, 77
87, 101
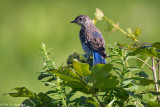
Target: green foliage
116, 83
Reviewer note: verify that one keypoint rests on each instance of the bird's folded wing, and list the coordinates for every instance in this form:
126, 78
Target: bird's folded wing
95, 41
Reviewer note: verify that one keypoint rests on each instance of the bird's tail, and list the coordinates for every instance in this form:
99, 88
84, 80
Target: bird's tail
98, 59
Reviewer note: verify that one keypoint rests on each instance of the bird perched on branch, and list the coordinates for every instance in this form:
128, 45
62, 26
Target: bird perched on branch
91, 39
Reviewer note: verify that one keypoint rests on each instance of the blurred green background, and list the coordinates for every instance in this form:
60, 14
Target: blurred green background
25, 24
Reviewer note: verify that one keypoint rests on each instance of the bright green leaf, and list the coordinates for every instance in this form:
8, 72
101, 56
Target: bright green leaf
66, 74
81, 68
98, 71
137, 31
71, 79
100, 75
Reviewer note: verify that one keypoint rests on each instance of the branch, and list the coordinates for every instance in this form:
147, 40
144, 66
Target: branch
155, 78
93, 94
145, 63
158, 61
120, 29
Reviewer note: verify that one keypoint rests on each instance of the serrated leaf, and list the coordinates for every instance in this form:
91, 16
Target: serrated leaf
81, 68
22, 92
98, 71
102, 78
70, 78
148, 51
66, 74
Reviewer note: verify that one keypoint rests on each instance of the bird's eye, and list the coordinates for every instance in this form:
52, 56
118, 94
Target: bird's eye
80, 19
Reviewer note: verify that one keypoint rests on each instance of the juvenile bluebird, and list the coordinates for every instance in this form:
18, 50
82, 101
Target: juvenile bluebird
91, 39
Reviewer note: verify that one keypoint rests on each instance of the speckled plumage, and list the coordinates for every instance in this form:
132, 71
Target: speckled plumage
90, 36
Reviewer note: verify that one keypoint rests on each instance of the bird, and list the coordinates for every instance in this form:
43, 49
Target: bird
91, 39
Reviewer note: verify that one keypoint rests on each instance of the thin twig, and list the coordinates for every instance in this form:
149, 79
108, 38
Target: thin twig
158, 61
157, 66
145, 63
158, 72
120, 29
94, 94
155, 78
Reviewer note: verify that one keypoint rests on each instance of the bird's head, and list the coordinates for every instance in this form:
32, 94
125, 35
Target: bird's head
82, 20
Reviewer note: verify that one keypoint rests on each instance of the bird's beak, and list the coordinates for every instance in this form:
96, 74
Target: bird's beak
73, 21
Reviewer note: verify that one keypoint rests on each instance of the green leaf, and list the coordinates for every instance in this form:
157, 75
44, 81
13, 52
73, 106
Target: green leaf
82, 100
81, 68
98, 71
148, 51
85, 102
130, 69
121, 94
44, 75
142, 74
22, 92
91, 102
130, 106
70, 78
153, 104
31, 103
156, 44
75, 55
131, 87
143, 81
137, 31
44, 97
151, 92
102, 78
66, 74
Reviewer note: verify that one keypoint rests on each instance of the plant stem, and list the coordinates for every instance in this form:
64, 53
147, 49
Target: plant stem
158, 72
93, 93
144, 63
60, 91
155, 77
45, 51
120, 29
157, 67
158, 61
